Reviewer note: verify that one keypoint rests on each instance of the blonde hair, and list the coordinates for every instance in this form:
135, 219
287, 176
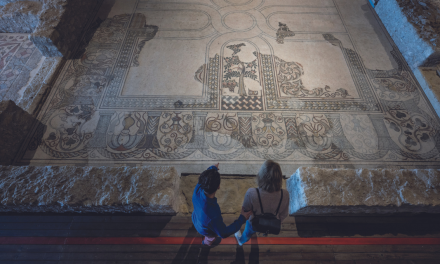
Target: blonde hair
270, 177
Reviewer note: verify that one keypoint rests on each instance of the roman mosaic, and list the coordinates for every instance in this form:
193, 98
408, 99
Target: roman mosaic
316, 82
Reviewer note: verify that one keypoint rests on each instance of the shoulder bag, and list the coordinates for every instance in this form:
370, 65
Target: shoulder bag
267, 223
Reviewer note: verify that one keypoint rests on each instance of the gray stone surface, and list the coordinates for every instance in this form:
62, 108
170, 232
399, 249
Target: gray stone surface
56, 25
5, 2
424, 15
20, 17
15, 124
410, 25
40, 85
88, 189
26, 76
61, 26
414, 28
315, 191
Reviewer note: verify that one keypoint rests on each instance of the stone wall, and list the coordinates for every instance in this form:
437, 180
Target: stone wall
5, 2
20, 17
39, 84
27, 76
88, 189
414, 27
160, 190
315, 191
56, 28
56, 25
61, 25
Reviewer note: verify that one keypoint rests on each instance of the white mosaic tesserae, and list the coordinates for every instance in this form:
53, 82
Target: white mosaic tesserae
189, 83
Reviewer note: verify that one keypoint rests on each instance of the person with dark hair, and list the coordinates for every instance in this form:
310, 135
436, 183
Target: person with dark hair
207, 217
273, 199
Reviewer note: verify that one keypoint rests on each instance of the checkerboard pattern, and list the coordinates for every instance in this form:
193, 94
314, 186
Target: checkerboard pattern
254, 103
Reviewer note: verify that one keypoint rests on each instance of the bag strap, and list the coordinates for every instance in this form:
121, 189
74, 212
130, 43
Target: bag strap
259, 199
280, 202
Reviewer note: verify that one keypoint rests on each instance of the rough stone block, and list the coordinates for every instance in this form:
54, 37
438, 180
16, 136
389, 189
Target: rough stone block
20, 17
5, 2
15, 124
40, 84
88, 189
61, 26
315, 191
414, 28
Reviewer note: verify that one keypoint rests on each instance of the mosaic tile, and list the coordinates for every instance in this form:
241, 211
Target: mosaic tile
189, 83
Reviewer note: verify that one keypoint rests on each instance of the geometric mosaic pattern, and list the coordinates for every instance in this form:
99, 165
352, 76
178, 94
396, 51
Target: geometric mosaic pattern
242, 103
262, 98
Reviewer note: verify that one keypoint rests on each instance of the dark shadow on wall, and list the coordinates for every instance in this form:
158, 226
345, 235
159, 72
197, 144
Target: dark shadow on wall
239, 256
136, 21
191, 252
376, 24
254, 256
368, 225
30, 148
15, 127
119, 225
106, 7
91, 28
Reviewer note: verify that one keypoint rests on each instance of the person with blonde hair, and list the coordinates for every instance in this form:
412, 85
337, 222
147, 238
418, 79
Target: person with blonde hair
273, 199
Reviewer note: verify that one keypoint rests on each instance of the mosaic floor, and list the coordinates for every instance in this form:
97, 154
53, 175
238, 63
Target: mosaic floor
190, 82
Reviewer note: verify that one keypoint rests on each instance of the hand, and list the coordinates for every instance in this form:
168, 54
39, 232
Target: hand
246, 214
217, 165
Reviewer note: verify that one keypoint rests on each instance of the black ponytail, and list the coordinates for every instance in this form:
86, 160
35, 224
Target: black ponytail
209, 180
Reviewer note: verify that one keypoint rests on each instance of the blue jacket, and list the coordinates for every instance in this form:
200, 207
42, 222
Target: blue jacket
207, 217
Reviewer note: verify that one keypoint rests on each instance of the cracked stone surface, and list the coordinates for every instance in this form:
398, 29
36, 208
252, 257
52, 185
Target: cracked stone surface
25, 75
20, 17
315, 191
414, 27
56, 26
88, 189
61, 25
5, 2
424, 16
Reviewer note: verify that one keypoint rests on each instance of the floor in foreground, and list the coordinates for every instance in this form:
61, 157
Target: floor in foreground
187, 83
121, 239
